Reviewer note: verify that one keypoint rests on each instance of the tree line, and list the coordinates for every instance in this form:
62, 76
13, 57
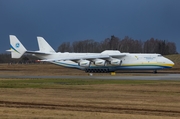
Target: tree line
126, 44
25, 59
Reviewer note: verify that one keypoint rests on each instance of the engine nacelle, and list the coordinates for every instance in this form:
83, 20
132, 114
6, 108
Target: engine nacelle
100, 62
84, 63
116, 62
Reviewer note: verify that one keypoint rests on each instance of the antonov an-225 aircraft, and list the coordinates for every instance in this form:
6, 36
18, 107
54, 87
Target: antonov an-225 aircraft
106, 61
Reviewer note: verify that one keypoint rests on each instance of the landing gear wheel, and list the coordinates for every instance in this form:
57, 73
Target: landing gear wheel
155, 71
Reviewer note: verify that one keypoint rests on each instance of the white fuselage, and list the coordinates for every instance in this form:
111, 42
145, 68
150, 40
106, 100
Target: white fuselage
128, 62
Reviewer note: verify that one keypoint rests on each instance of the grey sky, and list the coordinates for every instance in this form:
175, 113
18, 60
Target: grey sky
72, 20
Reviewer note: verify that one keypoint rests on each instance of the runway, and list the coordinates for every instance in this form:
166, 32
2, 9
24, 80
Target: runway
153, 77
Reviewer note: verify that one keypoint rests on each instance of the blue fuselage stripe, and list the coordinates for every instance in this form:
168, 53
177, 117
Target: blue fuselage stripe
134, 67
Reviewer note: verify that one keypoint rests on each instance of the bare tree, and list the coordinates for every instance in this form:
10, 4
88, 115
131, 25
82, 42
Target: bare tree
65, 47
127, 44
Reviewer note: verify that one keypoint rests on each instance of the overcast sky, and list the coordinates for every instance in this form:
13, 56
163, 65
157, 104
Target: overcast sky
73, 20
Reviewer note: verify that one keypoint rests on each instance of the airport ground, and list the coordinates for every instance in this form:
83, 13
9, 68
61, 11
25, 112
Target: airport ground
58, 98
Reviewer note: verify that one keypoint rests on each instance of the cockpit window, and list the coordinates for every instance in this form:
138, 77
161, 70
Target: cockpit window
159, 55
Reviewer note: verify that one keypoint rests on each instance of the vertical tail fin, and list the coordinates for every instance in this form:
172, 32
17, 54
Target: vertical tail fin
44, 46
16, 47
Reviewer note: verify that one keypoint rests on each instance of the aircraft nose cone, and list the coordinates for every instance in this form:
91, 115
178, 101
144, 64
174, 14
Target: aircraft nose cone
171, 63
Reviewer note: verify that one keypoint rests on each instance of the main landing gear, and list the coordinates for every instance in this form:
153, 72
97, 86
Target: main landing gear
155, 71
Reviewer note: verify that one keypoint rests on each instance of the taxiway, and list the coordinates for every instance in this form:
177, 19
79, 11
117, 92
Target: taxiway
153, 77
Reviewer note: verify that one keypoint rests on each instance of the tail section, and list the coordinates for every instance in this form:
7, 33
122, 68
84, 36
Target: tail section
44, 46
16, 47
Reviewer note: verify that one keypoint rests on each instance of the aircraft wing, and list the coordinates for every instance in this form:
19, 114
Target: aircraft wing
89, 57
117, 56
38, 52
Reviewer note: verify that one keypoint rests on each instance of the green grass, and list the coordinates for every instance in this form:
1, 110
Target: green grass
57, 83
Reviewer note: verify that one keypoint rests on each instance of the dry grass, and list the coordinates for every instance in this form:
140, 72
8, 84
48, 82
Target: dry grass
176, 60
61, 114
157, 100
37, 69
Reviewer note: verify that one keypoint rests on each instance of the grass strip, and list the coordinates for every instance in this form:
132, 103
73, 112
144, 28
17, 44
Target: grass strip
55, 83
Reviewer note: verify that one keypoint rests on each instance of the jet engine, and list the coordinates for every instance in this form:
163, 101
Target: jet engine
100, 62
116, 62
84, 63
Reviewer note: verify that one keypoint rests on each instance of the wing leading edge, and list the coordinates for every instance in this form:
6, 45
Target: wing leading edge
89, 57
38, 52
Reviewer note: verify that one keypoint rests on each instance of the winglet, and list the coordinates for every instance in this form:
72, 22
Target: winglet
16, 47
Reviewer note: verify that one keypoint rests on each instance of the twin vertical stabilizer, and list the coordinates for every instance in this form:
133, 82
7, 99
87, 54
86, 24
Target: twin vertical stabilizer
17, 49
44, 46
